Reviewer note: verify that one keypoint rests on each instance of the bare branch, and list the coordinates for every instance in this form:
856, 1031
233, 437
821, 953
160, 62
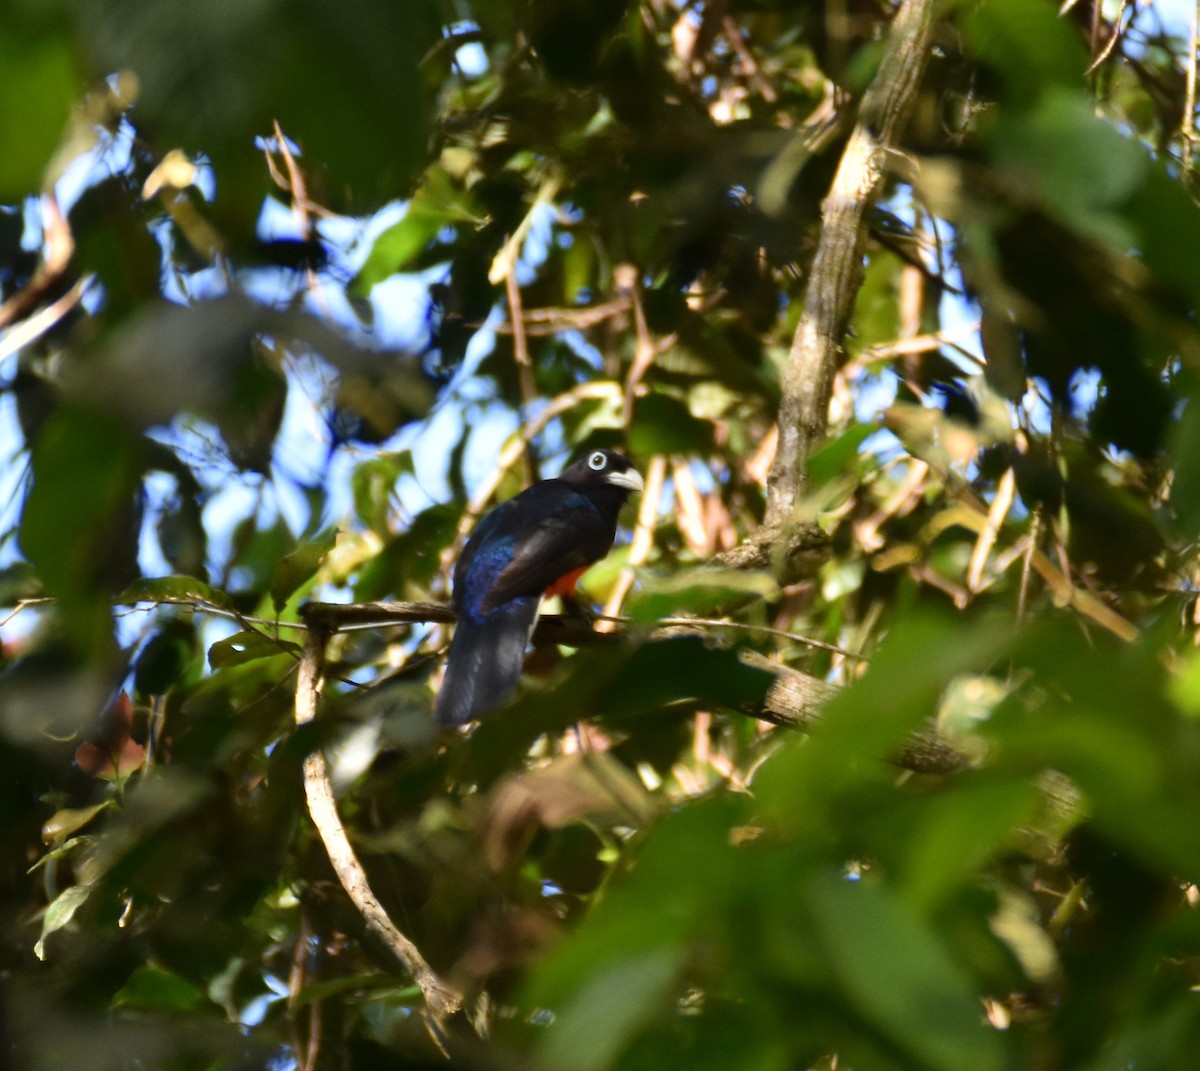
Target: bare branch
837, 268
441, 999
796, 699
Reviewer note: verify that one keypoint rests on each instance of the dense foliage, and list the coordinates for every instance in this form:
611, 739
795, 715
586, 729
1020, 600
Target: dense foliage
290, 291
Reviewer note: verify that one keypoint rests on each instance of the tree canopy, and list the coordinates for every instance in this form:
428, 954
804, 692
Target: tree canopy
884, 752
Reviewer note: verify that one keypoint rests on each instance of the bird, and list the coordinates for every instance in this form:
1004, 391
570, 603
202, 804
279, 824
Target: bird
537, 543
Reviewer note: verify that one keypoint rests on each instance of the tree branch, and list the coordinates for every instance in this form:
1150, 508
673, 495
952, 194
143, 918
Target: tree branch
837, 267
441, 999
796, 700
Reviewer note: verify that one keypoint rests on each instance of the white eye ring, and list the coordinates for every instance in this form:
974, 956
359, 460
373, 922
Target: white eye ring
597, 461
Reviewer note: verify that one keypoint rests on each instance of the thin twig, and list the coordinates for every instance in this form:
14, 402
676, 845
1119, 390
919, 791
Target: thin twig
516, 318
58, 249
986, 540
30, 329
643, 534
742, 626
733, 34
644, 350
553, 321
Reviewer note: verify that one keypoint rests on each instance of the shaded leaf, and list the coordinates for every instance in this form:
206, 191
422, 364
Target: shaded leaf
698, 591
185, 589
152, 988
599, 1020
247, 647
898, 975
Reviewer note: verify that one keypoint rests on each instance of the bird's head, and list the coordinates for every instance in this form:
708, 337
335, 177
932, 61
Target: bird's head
603, 467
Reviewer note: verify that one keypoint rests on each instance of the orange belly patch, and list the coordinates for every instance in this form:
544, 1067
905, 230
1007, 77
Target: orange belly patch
565, 585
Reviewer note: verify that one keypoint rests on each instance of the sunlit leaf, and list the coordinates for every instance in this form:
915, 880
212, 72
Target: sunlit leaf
60, 912
60, 825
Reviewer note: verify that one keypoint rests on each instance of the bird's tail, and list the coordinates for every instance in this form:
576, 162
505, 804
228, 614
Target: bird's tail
485, 662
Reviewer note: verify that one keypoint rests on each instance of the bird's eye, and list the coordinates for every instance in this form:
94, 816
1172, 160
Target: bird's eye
597, 461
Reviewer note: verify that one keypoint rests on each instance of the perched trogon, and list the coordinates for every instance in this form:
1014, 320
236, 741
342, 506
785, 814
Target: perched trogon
536, 543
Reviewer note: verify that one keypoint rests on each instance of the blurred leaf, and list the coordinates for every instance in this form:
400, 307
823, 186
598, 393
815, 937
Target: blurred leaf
837, 457
165, 658
298, 567
957, 832
866, 722
151, 988
629, 921
251, 414
899, 976
1027, 45
1082, 168
39, 70
662, 425
1185, 488
373, 483
592, 1028
170, 359
18, 581
438, 203
698, 591
79, 526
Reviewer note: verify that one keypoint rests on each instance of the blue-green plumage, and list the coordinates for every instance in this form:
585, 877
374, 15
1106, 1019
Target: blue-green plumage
523, 547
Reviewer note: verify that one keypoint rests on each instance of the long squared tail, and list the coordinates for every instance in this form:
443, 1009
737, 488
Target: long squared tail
485, 662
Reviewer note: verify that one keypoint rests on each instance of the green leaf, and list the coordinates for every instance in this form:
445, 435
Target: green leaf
185, 589
1027, 45
152, 988
247, 647
81, 518
898, 976
60, 912
664, 425
299, 567
1185, 486
165, 659
1082, 167
18, 581
698, 591
38, 71
601, 1018
373, 483
954, 833
839, 457
60, 825
439, 202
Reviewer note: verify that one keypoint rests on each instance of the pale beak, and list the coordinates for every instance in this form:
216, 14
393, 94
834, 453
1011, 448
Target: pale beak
630, 479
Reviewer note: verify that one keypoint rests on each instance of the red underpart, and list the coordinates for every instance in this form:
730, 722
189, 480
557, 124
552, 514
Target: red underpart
565, 585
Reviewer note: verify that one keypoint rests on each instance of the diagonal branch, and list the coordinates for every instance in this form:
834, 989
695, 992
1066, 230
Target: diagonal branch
837, 268
441, 999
